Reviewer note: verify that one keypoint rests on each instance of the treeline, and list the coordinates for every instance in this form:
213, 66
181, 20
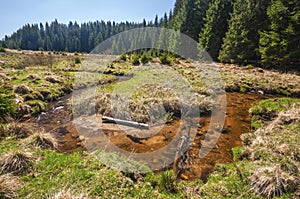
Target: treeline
259, 32
71, 38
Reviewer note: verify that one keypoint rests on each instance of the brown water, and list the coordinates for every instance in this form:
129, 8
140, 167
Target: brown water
237, 122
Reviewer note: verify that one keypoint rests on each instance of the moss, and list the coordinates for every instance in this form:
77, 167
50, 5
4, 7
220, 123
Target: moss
37, 106
268, 109
283, 91
277, 104
7, 107
256, 123
236, 153
245, 88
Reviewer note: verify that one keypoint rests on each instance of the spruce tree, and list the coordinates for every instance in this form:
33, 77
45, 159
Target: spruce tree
215, 27
241, 42
280, 45
194, 23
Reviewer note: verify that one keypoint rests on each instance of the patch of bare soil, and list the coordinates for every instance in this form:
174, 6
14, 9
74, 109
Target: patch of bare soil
59, 122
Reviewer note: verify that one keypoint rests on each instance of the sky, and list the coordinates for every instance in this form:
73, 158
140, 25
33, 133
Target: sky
16, 13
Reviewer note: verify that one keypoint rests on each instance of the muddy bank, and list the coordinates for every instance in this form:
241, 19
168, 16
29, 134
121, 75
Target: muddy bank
237, 122
58, 121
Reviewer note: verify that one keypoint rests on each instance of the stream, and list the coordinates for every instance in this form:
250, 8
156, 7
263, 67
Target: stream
59, 122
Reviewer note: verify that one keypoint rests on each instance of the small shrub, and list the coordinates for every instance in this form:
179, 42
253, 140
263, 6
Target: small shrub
37, 106
8, 186
41, 51
145, 58
245, 88
33, 77
189, 60
135, 60
2, 50
22, 89
2, 129
169, 117
52, 79
247, 138
164, 60
123, 57
16, 162
77, 60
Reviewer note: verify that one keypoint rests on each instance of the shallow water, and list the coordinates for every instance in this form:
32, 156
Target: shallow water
237, 122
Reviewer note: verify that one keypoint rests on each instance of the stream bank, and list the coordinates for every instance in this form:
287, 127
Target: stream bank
59, 122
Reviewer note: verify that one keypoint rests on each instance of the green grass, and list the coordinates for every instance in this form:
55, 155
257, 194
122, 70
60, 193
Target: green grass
56, 169
7, 107
41, 90
268, 109
80, 172
53, 171
278, 104
9, 145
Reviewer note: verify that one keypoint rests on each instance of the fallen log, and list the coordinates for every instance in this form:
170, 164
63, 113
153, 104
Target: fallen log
124, 122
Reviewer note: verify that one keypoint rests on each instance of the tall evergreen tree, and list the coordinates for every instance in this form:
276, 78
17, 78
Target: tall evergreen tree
180, 15
194, 23
215, 27
156, 21
242, 39
280, 44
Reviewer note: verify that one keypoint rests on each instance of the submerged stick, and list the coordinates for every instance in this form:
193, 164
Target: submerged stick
124, 122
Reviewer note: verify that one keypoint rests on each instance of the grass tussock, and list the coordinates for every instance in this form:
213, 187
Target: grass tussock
8, 186
16, 162
168, 181
149, 103
41, 140
68, 194
274, 149
16, 130
270, 182
22, 89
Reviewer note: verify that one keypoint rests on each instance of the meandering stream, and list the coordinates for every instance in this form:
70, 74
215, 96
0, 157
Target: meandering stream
58, 121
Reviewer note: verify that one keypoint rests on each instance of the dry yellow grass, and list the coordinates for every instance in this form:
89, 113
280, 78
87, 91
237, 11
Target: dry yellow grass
8, 186
41, 140
16, 162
